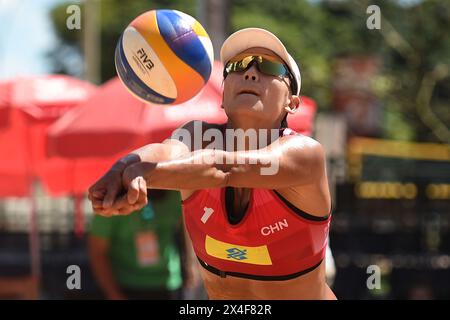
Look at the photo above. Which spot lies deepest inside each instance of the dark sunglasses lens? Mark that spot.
(268, 67)
(272, 68)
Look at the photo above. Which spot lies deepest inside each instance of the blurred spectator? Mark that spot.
(137, 256)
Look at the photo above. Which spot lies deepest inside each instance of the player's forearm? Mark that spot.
(126, 161)
(208, 168)
(281, 166)
(158, 152)
(195, 170)
(214, 169)
(154, 152)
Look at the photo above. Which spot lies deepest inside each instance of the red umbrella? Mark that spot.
(33, 104)
(48, 97)
(106, 124)
(15, 178)
(43, 100)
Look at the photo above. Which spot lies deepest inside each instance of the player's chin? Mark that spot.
(245, 106)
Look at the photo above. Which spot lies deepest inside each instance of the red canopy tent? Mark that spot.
(15, 174)
(33, 104)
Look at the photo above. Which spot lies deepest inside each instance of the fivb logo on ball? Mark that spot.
(144, 60)
(164, 56)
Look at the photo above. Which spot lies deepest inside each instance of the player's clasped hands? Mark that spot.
(119, 192)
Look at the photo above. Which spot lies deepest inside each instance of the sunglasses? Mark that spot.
(266, 64)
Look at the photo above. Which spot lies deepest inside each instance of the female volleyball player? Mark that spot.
(257, 234)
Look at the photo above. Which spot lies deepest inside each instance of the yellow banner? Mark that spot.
(233, 252)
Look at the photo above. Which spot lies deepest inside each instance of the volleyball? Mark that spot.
(164, 57)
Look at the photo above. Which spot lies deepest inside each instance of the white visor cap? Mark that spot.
(256, 37)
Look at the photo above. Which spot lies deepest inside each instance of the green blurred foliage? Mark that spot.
(316, 33)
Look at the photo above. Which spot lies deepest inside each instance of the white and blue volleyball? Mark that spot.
(164, 57)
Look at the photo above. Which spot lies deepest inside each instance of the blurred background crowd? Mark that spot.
(377, 99)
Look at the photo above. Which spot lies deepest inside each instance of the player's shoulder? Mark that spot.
(301, 143)
(292, 135)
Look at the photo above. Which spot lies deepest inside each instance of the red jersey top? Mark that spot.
(274, 240)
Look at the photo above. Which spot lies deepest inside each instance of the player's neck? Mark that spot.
(264, 135)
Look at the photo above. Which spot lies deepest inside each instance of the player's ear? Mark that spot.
(293, 104)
